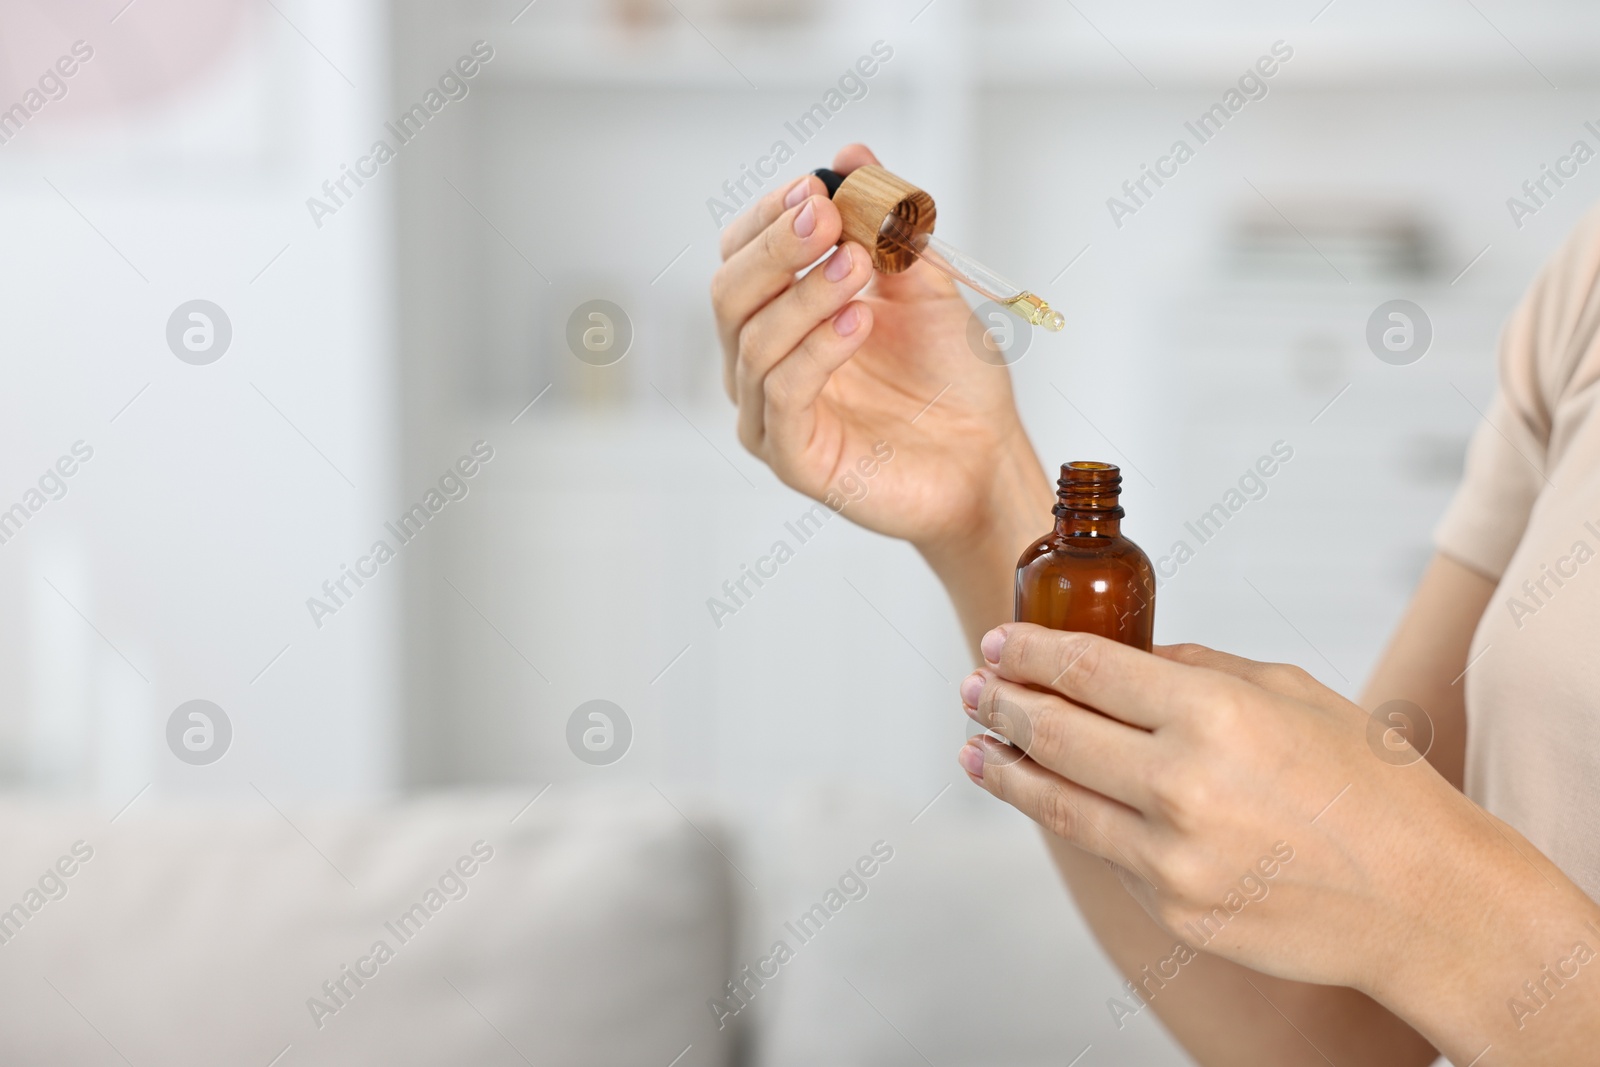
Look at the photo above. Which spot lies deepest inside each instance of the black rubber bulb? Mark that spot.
(831, 179)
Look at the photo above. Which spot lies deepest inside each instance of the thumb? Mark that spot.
(852, 156)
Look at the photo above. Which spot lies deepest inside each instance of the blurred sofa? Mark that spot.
(589, 927)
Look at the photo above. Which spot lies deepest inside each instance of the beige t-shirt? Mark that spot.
(1528, 515)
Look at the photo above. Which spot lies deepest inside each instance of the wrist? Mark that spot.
(977, 562)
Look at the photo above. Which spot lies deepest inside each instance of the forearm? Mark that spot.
(978, 569)
(1223, 1013)
(1426, 660)
(1501, 950)
(1497, 912)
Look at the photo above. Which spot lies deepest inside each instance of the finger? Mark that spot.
(793, 386)
(1099, 673)
(1077, 815)
(1107, 756)
(744, 229)
(1285, 679)
(766, 267)
(852, 156)
(772, 334)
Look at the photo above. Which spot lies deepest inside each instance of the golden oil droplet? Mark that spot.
(1038, 313)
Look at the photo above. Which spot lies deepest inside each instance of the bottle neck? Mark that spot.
(1084, 524)
(1087, 496)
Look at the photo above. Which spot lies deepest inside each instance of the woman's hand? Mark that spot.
(827, 367)
(1203, 785)
(1252, 818)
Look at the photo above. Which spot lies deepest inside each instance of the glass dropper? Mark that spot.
(946, 257)
(894, 220)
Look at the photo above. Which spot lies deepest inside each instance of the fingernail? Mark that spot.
(837, 269)
(992, 643)
(971, 689)
(971, 760)
(805, 223)
(847, 321)
(799, 192)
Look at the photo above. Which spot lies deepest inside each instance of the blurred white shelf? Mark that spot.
(1186, 50)
(676, 56)
(1190, 50)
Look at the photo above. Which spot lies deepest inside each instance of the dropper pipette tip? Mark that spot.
(1037, 312)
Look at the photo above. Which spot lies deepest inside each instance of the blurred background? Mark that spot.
(361, 335)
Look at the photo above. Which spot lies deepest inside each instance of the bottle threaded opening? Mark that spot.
(1089, 489)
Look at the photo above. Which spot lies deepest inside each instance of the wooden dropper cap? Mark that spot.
(881, 212)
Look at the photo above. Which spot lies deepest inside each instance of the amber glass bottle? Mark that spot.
(1084, 575)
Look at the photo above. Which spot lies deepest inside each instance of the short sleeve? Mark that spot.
(1487, 516)
(1511, 454)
